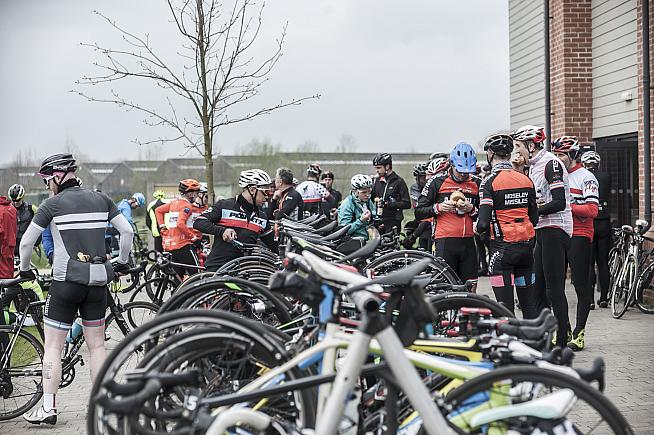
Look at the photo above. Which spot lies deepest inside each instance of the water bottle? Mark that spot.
(75, 330)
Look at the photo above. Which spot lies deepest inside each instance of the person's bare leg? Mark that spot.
(94, 337)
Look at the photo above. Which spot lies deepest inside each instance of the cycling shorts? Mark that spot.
(66, 298)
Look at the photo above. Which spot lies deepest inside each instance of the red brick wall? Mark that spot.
(640, 100)
(571, 69)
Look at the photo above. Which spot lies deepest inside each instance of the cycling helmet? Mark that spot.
(16, 192)
(463, 158)
(314, 169)
(420, 169)
(438, 165)
(590, 158)
(204, 188)
(57, 163)
(361, 181)
(530, 133)
(189, 185)
(140, 199)
(500, 144)
(382, 159)
(254, 177)
(328, 174)
(433, 156)
(158, 194)
(566, 144)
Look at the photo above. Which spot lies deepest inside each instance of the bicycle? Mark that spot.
(626, 283)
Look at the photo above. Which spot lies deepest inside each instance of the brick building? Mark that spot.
(596, 83)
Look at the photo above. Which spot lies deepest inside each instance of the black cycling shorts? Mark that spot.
(66, 298)
(460, 253)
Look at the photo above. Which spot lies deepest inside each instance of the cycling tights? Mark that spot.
(600, 255)
(186, 255)
(579, 258)
(549, 266)
(460, 254)
(513, 264)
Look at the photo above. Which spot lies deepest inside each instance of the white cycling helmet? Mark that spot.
(530, 132)
(590, 158)
(254, 177)
(361, 181)
(438, 165)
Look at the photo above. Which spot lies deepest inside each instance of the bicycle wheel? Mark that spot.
(388, 263)
(20, 382)
(645, 290)
(622, 291)
(587, 410)
(134, 314)
(157, 290)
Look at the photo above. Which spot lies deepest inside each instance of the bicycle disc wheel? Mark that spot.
(645, 290)
(622, 291)
(586, 410)
(21, 381)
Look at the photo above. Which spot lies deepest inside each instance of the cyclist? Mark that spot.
(554, 227)
(24, 211)
(585, 205)
(238, 218)
(286, 200)
(390, 193)
(125, 206)
(417, 229)
(78, 218)
(175, 222)
(313, 193)
(358, 209)
(601, 228)
(508, 210)
(329, 206)
(151, 218)
(452, 199)
(8, 229)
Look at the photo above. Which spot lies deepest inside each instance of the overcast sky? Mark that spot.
(396, 76)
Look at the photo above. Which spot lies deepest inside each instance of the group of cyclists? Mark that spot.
(537, 210)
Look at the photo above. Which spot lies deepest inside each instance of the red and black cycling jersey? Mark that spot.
(437, 190)
(249, 222)
(508, 205)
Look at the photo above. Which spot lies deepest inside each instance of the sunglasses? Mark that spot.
(46, 179)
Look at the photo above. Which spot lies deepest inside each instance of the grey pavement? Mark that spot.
(627, 346)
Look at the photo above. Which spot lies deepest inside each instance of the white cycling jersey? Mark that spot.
(548, 173)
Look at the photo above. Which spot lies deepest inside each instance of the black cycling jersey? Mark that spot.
(288, 203)
(249, 222)
(394, 192)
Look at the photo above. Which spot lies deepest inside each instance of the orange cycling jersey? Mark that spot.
(177, 216)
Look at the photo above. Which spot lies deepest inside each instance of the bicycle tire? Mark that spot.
(167, 325)
(34, 399)
(147, 287)
(185, 299)
(443, 273)
(552, 378)
(622, 293)
(645, 283)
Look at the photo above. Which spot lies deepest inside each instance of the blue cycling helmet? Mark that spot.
(464, 158)
(140, 199)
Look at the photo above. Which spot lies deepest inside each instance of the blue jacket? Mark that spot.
(126, 210)
(350, 212)
(48, 244)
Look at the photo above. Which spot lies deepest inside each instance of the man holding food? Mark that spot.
(452, 199)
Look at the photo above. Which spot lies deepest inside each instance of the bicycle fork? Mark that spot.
(401, 368)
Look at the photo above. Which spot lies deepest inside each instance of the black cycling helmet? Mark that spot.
(327, 174)
(58, 163)
(382, 159)
(500, 144)
(16, 192)
(420, 169)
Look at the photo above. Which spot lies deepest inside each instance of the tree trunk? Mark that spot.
(208, 166)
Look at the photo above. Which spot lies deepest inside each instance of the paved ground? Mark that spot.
(627, 346)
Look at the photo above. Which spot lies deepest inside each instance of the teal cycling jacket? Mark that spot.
(350, 212)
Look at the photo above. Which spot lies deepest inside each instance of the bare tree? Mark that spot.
(218, 72)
